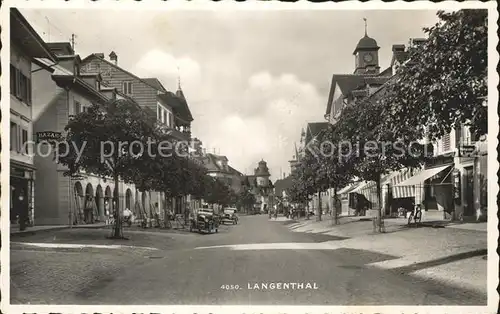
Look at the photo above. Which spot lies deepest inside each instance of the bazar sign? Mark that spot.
(467, 150)
(48, 136)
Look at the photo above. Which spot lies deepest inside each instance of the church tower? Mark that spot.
(366, 55)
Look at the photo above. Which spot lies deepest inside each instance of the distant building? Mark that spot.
(260, 185)
(217, 166)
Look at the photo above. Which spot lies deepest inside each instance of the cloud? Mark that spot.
(166, 67)
(266, 122)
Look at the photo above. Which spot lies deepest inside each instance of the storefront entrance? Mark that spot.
(469, 192)
(19, 202)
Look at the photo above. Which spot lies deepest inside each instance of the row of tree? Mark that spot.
(443, 85)
(122, 141)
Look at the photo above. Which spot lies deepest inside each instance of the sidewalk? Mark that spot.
(35, 229)
(453, 255)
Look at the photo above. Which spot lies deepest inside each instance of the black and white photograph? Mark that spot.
(249, 155)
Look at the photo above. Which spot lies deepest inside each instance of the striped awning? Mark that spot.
(408, 186)
(371, 187)
(402, 191)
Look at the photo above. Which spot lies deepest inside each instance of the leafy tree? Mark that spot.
(444, 83)
(246, 199)
(98, 141)
(334, 164)
(375, 148)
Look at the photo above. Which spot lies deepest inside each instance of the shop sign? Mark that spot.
(48, 136)
(467, 150)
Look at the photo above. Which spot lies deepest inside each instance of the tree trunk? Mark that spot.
(379, 197)
(335, 209)
(320, 209)
(117, 228)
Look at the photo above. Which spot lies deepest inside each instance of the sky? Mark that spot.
(252, 79)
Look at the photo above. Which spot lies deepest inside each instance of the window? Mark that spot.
(24, 140)
(127, 88)
(158, 113)
(78, 107)
(13, 137)
(165, 117)
(20, 85)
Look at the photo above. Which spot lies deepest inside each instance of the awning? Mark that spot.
(360, 187)
(419, 178)
(349, 188)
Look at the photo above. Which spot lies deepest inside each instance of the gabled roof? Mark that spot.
(210, 162)
(179, 105)
(98, 56)
(350, 82)
(314, 129)
(27, 38)
(152, 81)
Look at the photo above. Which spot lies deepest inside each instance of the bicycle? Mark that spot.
(415, 215)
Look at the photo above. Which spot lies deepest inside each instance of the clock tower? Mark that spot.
(366, 55)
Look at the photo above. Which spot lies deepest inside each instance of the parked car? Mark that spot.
(230, 216)
(204, 220)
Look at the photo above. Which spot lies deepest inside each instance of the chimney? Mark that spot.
(99, 55)
(113, 57)
(398, 48)
(418, 41)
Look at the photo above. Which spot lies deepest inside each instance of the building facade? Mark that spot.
(26, 45)
(260, 185)
(171, 110)
(451, 185)
(217, 166)
(61, 92)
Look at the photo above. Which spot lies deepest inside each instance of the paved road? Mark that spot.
(179, 273)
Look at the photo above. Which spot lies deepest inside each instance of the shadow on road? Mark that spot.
(439, 261)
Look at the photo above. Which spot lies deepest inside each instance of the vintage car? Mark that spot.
(230, 216)
(204, 220)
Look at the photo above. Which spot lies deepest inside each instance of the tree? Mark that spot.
(334, 162)
(99, 141)
(376, 149)
(444, 82)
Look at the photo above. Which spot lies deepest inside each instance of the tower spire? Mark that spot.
(366, 26)
(178, 78)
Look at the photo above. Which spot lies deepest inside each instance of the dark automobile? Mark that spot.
(204, 220)
(229, 215)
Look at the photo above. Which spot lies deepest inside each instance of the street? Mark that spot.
(225, 268)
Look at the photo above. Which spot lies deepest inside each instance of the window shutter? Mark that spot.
(28, 84)
(13, 80)
(18, 83)
(446, 142)
(19, 139)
